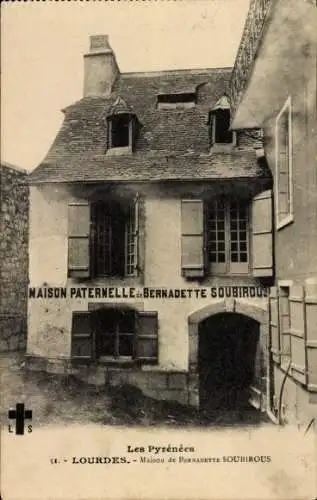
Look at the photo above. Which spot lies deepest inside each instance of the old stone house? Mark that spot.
(151, 239)
(274, 87)
(14, 207)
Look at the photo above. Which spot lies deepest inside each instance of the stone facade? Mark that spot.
(14, 258)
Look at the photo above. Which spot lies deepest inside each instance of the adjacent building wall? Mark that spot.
(13, 257)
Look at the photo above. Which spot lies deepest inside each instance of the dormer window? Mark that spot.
(222, 135)
(121, 128)
(219, 123)
(179, 100)
(120, 131)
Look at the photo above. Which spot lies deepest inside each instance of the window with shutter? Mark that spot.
(283, 160)
(114, 330)
(115, 237)
(79, 240)
(274, 325)
(262, 241)
(227, 226)
(132, 238)
(311, 335)
(82, 338)
(284, 326)
(192, 244)
(147, 337)
(297, 333)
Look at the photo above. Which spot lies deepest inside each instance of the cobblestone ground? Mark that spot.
(64, 399)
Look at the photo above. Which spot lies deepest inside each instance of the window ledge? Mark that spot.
(119, 151)
(222, 148)
(285, 222)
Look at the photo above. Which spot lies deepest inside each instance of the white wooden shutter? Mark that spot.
(274, 325)
(284, 326)
(147, 337)
(192, 243)
(78, 239)
(262, 244)
(311, 335)
(297, 331)
(82, 338)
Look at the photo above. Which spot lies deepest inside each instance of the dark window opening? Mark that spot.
(177, 98)
(114, 333)
(119, 131)
(222, 124)
(113, 245)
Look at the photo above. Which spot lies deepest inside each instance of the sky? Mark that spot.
(43, 43)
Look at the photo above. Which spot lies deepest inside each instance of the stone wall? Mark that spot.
(14, 258)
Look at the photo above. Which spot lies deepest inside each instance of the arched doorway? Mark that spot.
(227, 346)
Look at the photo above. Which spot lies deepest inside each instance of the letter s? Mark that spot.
(30, 428)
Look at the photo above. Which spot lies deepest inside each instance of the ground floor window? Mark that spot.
(115, 334)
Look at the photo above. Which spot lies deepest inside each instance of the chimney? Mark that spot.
(100, 67)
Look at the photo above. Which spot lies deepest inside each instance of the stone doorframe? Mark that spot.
(245, 308)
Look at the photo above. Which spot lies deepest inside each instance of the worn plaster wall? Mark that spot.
(13, 257)
(49, 320)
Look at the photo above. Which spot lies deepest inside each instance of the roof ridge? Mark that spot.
(174, 72)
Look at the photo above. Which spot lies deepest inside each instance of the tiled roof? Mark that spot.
(171, 144)
(152, 166)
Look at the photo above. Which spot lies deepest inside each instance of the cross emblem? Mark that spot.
(19, 415)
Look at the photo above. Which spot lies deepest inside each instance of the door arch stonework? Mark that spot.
(251, 310)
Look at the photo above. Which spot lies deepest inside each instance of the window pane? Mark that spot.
(126, 322)
(106, 345)
(221, 257)
(243, 257)
(125, 345)
(234, 257)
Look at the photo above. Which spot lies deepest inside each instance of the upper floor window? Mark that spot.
(103, 238)
(227, 226)
(284, 181)
(217, 236)
(113, 235)
(178, 100)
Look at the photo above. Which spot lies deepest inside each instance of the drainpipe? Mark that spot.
(269, 409)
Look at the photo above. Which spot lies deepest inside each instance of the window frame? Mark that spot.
(214, 143)
(117, 334)
(130, 223)
(228, 268)
(117, 150)
(287, 219)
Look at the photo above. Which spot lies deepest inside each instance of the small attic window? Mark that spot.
(121, 128)
(223, 134)
(176, 100)
(219, 123)
(119, 131)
